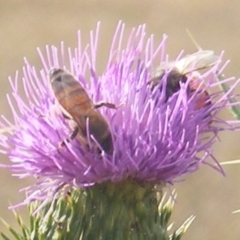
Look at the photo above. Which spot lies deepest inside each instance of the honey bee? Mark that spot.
(76, 105)
(180, 71)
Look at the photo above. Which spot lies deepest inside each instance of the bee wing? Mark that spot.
(163, 67)
(193, 62)
(197, 61)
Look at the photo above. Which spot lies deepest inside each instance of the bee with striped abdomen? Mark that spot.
(77, 105)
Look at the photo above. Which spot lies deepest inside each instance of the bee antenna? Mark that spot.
(193, 40)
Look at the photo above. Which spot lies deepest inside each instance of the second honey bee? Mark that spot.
(77, 105)
(179, 72)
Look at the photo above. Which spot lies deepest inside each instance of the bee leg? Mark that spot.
(106, 104)
(74, 133)
(71, 137)
(66, 116)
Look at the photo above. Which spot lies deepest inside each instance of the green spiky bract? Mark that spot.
(121, 211)
(235, 109)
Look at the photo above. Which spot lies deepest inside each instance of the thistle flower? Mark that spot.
(155, 141)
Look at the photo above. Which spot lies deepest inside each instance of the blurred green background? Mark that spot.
(26, 25)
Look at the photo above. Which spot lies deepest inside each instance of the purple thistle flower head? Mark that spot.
(155, 139)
